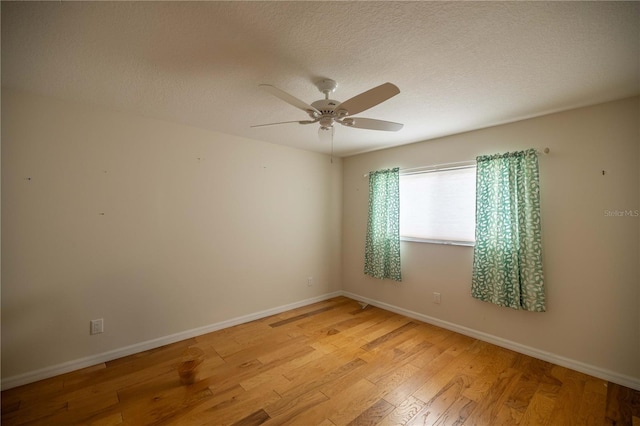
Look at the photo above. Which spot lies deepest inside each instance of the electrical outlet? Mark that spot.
(309, 281)
(436, 298)
(97, 326)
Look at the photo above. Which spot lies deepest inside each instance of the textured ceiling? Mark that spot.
(459, 65)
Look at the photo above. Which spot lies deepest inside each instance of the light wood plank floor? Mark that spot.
(330, 363)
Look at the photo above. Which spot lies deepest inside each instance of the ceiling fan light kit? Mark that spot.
(327, 111)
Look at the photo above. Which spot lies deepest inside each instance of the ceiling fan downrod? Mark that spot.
(325, 106)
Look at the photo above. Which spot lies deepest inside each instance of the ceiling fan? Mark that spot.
(327, 111)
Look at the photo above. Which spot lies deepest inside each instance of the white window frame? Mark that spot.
(435, 169)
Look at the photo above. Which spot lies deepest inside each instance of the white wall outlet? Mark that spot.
(436, 298)
(97, 326)
(309, 281)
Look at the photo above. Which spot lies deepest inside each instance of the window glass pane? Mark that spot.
(439, 205)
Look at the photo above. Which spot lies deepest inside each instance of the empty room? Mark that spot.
(320, 213)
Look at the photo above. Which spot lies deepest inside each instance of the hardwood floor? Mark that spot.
(331, 363)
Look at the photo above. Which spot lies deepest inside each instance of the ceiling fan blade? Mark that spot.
(290, 99)
(285, 122)
(368, 99)
(372, 124)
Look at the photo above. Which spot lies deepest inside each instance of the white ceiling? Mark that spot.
(459, 65)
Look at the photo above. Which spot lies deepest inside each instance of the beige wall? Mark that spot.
(201, 227)
(198, 227)
(591, 261)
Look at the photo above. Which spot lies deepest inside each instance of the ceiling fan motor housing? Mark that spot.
(325, 106)
(328, 115)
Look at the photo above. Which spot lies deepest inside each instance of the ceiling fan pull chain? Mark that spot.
(332, 148)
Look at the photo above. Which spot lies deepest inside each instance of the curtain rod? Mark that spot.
(456, 165)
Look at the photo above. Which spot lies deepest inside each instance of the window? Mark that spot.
(438, 206)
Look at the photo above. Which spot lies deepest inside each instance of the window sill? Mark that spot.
(443, 242)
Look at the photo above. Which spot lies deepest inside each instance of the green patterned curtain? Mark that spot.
(382, 249)
(507, 258)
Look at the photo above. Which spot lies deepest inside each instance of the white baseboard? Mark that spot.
(47, 372)
(611, 376)
(55, 370)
